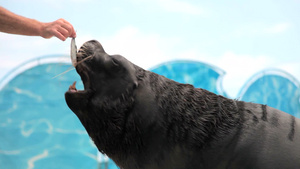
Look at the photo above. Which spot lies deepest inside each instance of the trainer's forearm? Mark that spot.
(16, 24)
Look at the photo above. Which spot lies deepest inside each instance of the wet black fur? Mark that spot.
(163, 124)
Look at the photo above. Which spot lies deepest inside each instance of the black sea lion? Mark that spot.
(142, 120)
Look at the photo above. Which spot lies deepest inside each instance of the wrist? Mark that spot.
(40, 27)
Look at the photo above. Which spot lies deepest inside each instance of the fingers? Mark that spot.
(60, 28)
(67, 26)
(59, 35)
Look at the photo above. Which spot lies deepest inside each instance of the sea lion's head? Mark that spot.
(117, 104)
(106, 78)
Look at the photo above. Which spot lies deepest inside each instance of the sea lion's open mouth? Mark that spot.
(73, 89)
(82, 69)
(76, 59)
(84, 55)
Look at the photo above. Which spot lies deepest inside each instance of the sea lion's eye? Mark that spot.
(115, 62)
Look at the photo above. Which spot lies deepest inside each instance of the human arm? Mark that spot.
(16, 24)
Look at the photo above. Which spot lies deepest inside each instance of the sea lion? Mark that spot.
(142, 120)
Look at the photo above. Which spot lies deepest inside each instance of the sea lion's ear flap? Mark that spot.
(135, 84)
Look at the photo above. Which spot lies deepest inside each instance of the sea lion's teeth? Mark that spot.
(73, 87)
(73, 52)
(74, 84)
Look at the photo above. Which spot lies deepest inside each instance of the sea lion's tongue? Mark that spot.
(73, 52)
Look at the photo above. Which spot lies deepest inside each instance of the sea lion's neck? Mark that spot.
(209, 116)
(106, 123)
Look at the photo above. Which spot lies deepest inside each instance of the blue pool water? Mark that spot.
(37, 127)
(39, 131)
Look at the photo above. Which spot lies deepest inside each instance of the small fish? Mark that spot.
(73, 52)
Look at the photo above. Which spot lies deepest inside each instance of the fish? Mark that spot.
(73, 52)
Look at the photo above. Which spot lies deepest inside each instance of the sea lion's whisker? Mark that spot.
(72, 68)
(69, 69)
(84, 60)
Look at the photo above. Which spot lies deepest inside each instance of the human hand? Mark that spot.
(60, 28)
